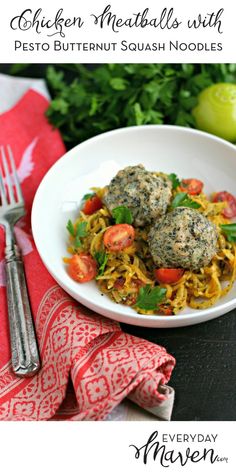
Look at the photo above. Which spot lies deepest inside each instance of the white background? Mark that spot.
(100, 446)
(90, 33)
(91, 446)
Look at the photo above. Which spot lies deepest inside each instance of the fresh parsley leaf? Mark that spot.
(56, 78)
(81, 231)
(230, 232)
(101, 258)
(70, 228)
(182, 199)
(77, 242)
(175, 180)
(229, 228)
(87, 196)
(117, 83)
(150, 297)
(231, 238)
(16, 69)
(122, 214)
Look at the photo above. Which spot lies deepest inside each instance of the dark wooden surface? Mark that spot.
(205, 374)
(204, 378)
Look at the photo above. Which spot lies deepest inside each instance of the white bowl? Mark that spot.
(186, 152)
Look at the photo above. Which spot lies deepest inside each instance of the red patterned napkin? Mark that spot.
(88, 364)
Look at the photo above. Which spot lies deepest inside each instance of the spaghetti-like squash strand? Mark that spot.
(133, 267)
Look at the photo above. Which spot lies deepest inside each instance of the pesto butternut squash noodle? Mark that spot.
(155, 242)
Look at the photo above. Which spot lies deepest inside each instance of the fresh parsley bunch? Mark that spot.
(86, 102)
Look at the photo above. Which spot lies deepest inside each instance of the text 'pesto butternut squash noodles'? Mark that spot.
(155, 242)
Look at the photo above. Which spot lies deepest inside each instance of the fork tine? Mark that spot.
(14, 175)
(7, 175)
(2, 189)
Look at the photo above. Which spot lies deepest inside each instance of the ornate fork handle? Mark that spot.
(25, 356)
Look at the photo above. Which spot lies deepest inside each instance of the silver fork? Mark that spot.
(24, 349)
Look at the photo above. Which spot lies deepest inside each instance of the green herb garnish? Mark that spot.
(81, 230)
(118, 95)
(150, 297)
(182, 199)
(101, 258)
(122, 214)
(175, 181)
(78, 232)
(78, 242)
(70, 228)
(87, 196)
(230, 232)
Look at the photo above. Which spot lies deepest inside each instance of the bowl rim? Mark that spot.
(181, 317)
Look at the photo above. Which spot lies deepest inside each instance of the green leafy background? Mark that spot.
(87, 101)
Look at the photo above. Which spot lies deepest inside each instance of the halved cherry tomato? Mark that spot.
(118, 237)
(92, 205)
(168, 276)
(82, 267)
(230, 210)
(191, 186)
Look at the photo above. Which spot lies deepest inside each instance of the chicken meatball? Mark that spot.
(183, 238)
(146, 195)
